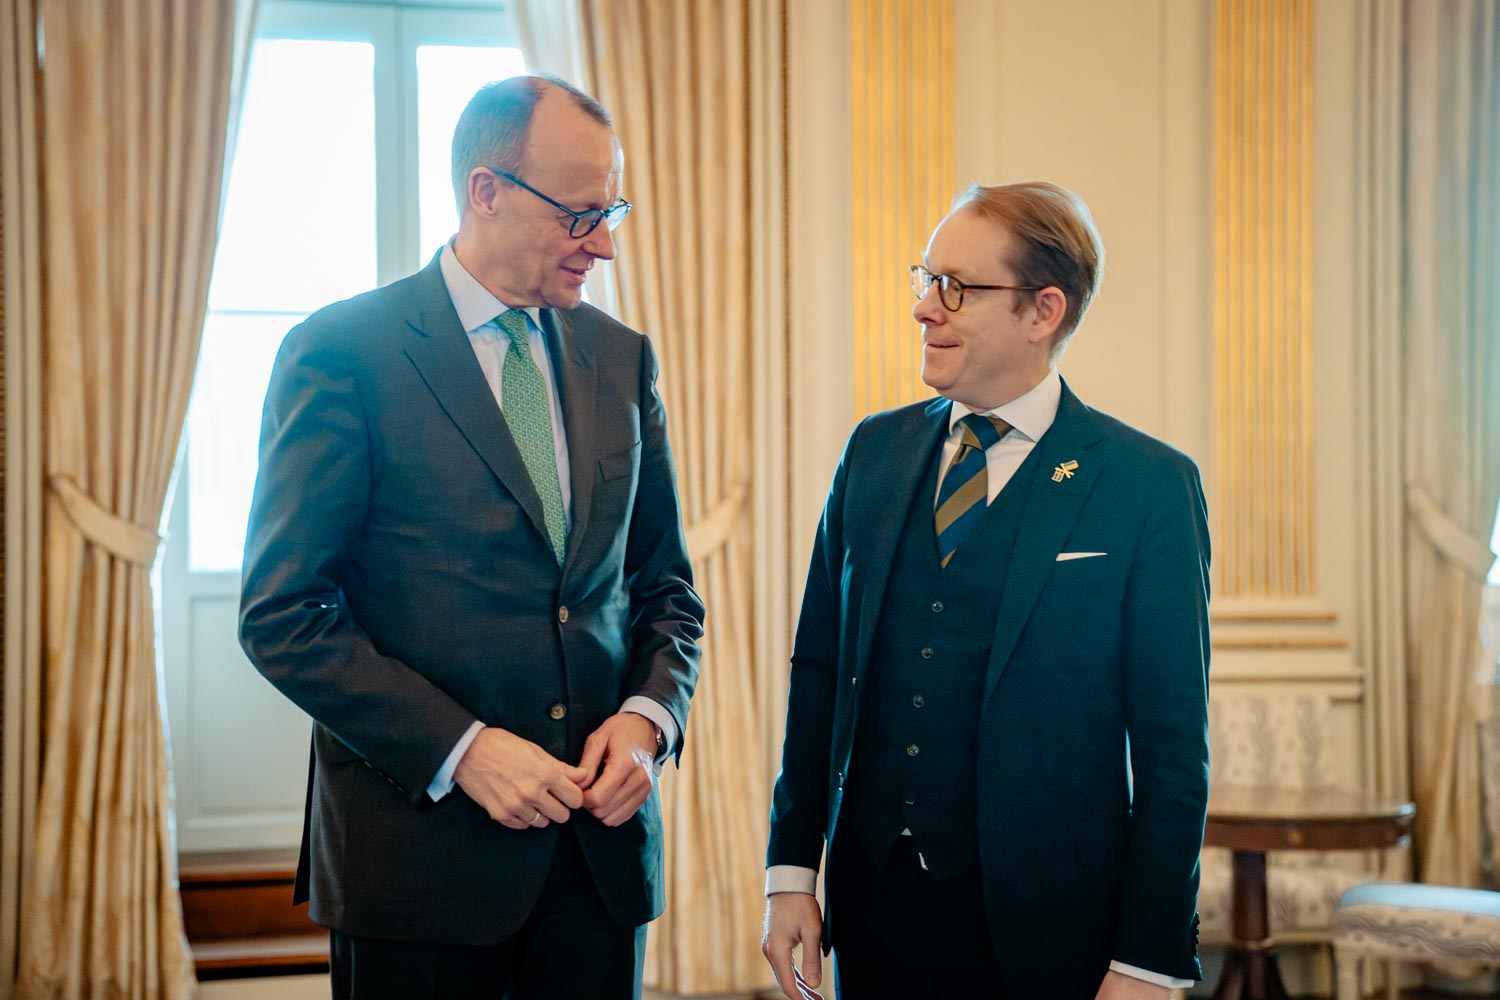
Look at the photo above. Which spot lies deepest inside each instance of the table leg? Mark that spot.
(1250, 970)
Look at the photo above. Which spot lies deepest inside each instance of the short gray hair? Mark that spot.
(492, 130)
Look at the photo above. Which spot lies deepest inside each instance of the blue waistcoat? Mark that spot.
(916, 747)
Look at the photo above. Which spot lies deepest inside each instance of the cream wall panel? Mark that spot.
(1335, 339)
(1109, 100)
(820, 385)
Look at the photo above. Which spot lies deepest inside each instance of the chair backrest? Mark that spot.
(1280, 740)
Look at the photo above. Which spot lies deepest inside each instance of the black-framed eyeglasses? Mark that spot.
(951, 290)
(583, 222)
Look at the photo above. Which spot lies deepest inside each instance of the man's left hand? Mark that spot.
(1118, 986)
(625, 746)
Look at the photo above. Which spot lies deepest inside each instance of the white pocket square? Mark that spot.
(1065, 556)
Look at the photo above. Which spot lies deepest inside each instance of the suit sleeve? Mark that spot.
(666, 614)
(1166, 655)
(799, 800)
(308, 514)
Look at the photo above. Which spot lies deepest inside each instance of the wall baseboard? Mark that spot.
(237, 908)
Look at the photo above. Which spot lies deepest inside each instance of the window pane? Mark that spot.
(1494, 580)
(447, 76)
(299, 216)
(234, 367)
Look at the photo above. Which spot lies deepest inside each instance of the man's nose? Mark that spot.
(928, 308)
(600, 243)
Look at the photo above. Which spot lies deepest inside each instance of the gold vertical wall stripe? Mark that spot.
(901, 69)
(1263, 297)
(1305, 283)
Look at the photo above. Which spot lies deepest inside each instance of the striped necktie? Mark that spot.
(523, 399)
(965, 491)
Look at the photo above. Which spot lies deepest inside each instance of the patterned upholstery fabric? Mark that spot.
(1406, 922)
(1280, 741)
(1302, 899)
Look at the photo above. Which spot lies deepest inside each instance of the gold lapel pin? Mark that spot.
(1064, 471)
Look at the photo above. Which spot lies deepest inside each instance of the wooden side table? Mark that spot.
(1251, 821)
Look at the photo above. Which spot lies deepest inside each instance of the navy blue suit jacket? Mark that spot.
(1099, 668)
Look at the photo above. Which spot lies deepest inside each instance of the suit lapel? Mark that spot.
(894, 495)
(445, 360)
(1046, 521)
(577, 380)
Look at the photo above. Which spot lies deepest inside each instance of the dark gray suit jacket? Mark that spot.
(398, 585)
(1077, 871)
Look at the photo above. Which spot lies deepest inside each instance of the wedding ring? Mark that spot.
(535, 818)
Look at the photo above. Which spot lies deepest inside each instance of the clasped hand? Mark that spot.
(519, 784)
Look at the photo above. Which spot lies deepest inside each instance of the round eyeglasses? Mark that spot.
(951, 290)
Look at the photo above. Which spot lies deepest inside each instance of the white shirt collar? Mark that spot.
(1031, 414)
(474, 303)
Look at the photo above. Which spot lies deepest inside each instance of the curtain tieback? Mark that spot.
(109, 531)
(711, 532)
(1471, 554)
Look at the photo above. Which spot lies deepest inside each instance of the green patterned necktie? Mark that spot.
(524, 402)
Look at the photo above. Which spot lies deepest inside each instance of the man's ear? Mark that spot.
(1051, 305)
(484, 190)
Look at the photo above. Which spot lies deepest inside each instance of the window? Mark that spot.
(340, 182)
(332, 165)
(1494, 578)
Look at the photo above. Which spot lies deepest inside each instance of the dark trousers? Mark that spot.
(568, 947)
(901, 934)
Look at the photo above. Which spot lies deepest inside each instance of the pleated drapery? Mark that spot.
(1451, 365)
(134, 99)
(695, 89)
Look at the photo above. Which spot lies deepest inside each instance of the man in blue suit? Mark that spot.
(997, 719)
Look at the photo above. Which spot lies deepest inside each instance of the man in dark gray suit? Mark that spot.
(997, 720)
(466, 562)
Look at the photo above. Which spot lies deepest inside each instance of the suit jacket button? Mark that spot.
(927, 653)
(918, 701)
(912, 750)
(911, 798)
(558, 711)
(562, 614)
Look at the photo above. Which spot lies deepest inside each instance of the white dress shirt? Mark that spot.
(1030, 416)
(476, 306)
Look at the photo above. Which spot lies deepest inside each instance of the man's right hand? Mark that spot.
(793, 918)
(517, 782)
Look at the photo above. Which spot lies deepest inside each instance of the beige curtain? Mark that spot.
(1451, 337)
(134, 100)
(20, 317)
(695, 89)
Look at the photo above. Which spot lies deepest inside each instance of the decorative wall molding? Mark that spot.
(1283, 609)
(1273, 623)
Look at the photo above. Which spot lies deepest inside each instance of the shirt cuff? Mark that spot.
(653, 710)
(791, 878)
(442, 784)
(1154, 978)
